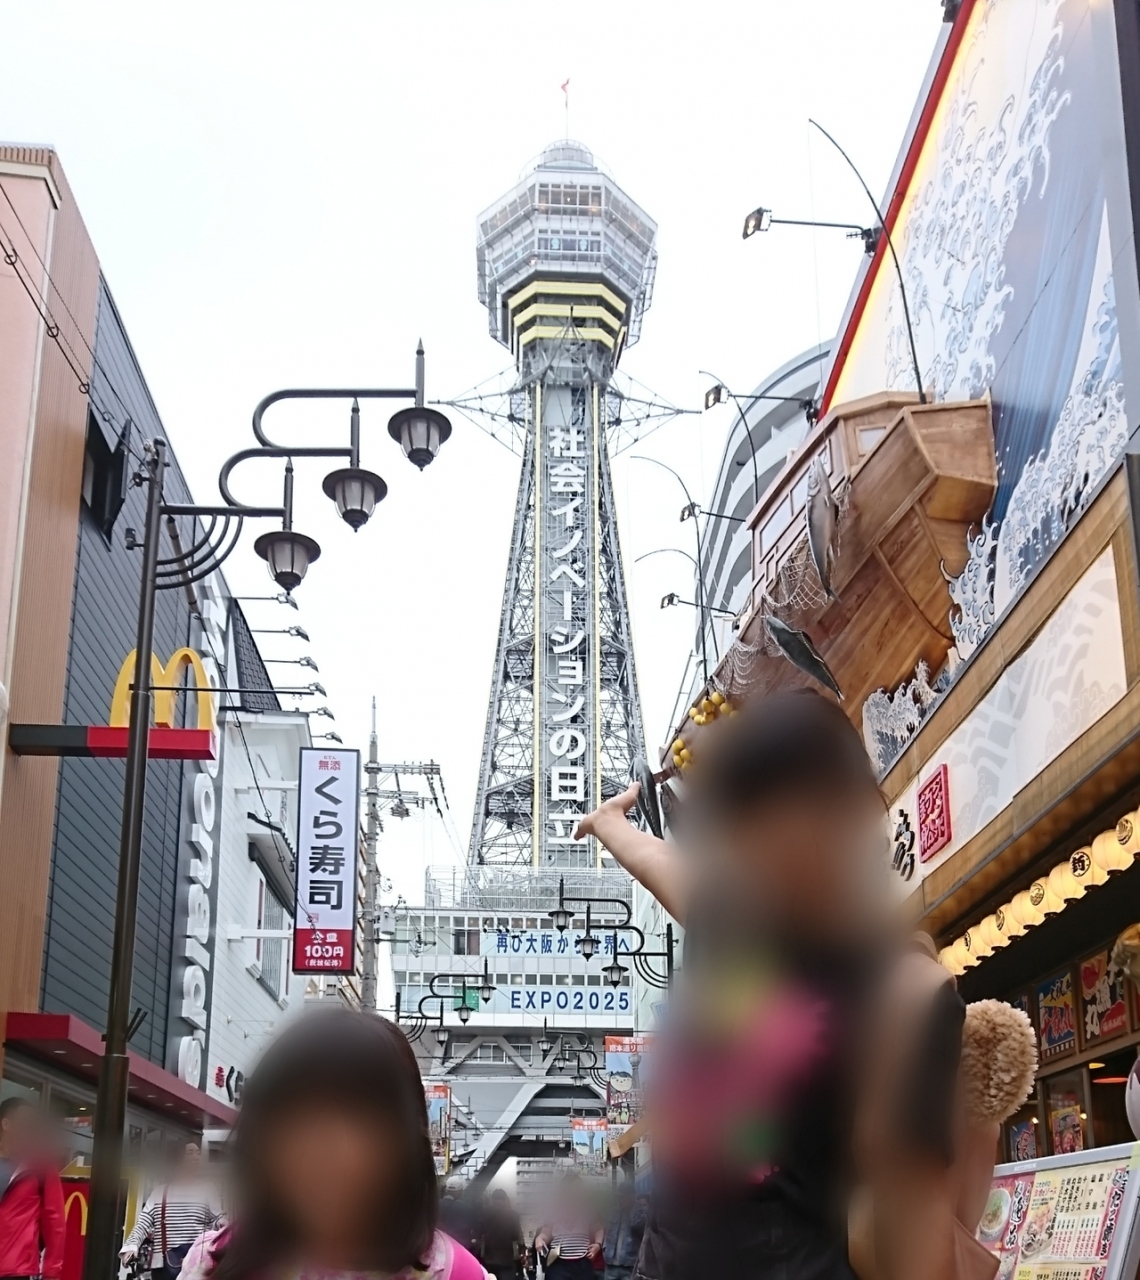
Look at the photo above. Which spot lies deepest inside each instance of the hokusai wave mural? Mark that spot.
(1008, 239)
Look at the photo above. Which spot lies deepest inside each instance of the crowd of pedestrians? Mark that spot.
(782, 1148)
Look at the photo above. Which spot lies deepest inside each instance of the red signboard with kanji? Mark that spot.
(934, 814)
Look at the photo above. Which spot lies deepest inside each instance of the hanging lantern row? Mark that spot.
(1112, 851)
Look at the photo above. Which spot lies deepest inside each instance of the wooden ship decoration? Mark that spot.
(909, 481)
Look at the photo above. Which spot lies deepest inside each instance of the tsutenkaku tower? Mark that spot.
(566, 265)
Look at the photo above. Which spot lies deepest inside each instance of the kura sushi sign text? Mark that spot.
(328, 819)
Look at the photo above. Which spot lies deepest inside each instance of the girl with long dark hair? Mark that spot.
(332, 1163)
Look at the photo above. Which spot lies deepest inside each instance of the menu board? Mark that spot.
(1067, 1217)
(1104, 1012)
(1056, 1017)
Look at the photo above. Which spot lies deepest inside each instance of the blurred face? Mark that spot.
(813, 863)
(328, 1168)
(19, 1133)
(191, 1158)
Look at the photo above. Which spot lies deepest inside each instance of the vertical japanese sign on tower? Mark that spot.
(565, 635)
(328, 820)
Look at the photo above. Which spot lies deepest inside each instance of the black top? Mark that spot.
(502, 1239)
(759, 1062)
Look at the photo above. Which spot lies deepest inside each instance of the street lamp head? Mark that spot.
(487, 987)
(463, 1013)
(307, 662)
(332, 737)
(318, 688)
(419, 431)
(288, 555)
(758, 220)
(299, 632)
(715, 395)
(690, 512)
(671, 599)
(560, 918)
(323, 711)
(441, 1035)
(614, 972)
(588, 946)
(356, 493)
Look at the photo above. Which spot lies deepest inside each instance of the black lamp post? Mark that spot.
(288, 555)
(487, 988)
(699, 560)
(615, 972)
(761, 219)
(718, 393)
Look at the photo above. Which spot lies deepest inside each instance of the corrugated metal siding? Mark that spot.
(77, 941)
(39, 653)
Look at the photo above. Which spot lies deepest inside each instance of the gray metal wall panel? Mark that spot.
(77, 940)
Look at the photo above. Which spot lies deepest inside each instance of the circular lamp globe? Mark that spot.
(288, 555)
(356, 493)
(419, 431)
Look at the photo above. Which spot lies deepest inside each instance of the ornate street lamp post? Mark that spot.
(288, 555)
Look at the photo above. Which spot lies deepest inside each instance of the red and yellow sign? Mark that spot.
(165, 742)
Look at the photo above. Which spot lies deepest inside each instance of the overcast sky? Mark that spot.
(285, 194)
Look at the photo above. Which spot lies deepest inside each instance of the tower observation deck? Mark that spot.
(566, 263)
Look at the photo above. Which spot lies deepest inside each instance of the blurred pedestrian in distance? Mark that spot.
(332, 1163)
(172, 1217)
(460, 1216)
(31, 1196)
(502, 1238)
(624, 1230)
(571, 1238)
(781, 887)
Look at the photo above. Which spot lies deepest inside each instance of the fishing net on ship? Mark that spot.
(795, 591)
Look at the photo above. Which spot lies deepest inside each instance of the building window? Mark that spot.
(466, 941)
(271, 951)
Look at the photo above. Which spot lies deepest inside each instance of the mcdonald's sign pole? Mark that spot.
(105, 1213)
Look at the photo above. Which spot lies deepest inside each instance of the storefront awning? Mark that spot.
(71, 1045)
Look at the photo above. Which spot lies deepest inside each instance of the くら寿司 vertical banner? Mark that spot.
(328, 818)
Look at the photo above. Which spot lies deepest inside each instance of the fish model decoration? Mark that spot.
(799, 650)
(822, 524)
(647, 804)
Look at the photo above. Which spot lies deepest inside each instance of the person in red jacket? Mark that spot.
(31, 1197)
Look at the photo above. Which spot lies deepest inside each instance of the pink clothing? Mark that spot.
(446, 1260)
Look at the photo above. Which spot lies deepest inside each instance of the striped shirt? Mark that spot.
(571, 1240)
(189, 1210)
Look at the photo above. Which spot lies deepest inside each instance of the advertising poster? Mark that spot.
(1056, 1017)
(1059, 1222)
(1065, 1124)
(625, 1067)
(1104, 1009)
(588, 1135)
(439, 1124)
(328, 819)
(1023, 1141)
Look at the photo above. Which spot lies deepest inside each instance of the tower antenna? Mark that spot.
(566, 104)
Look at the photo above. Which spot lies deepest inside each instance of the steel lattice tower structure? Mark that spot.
(566, 265)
